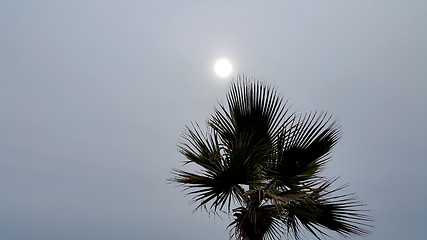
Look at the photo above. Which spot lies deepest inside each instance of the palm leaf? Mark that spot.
(224, 168)
(256, 223)
(320, 209)
(303, 149)
(254, 111)
(218, 181)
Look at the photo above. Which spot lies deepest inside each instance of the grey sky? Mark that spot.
(95, 94)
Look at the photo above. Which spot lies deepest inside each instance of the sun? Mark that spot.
(223, 67)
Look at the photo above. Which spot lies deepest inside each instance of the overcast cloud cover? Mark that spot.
(95, 94)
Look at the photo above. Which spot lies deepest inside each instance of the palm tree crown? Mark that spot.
(261, 163)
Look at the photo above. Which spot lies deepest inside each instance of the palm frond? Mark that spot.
(255, 223)
(320, 210)
(303, 148)
(211, 192)
(254, 110)
(223, 169)
(203, 150)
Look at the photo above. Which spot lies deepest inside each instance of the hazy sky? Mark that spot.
(95, 94)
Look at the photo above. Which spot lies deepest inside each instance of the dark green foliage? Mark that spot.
(266, 160)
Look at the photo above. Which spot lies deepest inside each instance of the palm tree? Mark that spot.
(261, 163)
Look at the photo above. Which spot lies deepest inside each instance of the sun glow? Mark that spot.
(223, 67)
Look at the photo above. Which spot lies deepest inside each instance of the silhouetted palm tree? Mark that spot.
(261, 163)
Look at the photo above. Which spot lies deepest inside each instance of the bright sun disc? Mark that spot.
(223, 68)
